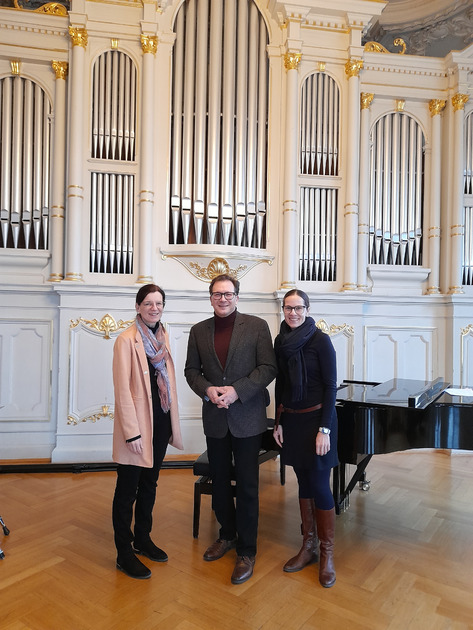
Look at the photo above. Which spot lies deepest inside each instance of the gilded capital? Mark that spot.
(149, 44)
(353, 67)
(459, 101)
(292, 60)
(79, 36)
(366, 99)
(436, 106)
(60, 69)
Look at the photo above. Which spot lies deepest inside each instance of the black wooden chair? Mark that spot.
(203, 485)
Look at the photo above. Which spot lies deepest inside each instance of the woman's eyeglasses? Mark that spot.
(298, 309)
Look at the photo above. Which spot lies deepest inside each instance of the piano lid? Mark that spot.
(398, 392)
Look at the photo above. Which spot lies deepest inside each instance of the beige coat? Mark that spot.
(133, 403)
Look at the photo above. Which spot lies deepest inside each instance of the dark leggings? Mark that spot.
(315, 484)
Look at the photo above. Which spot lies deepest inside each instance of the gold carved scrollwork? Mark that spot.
(60, 69)
(459, 101)
(292, 60)
(379, 48)
(400, 42)
(106, 325)
(149, 44)
(333, 329)
(51, 8)
(436, 106)
(215, 267)
(353, 67)
(375, 47)
(366, 98)
(467, 331)
(105, 413)
(78, 36)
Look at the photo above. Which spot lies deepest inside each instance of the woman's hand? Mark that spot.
(136, 446)
(277, 435)
(322, 443)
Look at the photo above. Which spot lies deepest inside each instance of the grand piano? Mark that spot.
(397, 415)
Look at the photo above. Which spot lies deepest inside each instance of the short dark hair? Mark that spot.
(146, 289)
(222, 278)
(299, 293)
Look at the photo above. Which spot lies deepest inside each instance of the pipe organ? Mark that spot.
(25, 139)
(186, 137)
(219, 125)
(319, 155)
(112, 193)
(397, 191)
(468, 208)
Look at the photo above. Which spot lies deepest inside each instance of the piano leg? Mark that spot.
(341, 492)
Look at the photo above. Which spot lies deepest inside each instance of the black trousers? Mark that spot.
(238, 519)
(136, 486)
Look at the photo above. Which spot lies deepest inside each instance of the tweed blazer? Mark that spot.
(250, 368)
(133, 403)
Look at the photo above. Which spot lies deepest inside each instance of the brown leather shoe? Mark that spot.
(218, 549)
(243, 569)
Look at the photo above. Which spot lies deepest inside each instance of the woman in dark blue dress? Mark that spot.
(306, 428)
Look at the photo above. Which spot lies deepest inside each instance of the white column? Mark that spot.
(149, 44)
(364, 211)
(56, 245)
(457, 227)
(290, 201)
(352, 70)
(436, 107)
(75, 185)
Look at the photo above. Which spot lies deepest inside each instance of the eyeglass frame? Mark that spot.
(299, 308)
(224, 294)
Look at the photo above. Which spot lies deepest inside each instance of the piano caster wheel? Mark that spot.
(365, 486)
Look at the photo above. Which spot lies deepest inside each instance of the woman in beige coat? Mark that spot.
(146, 421)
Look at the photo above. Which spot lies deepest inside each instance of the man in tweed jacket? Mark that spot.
(230, 362)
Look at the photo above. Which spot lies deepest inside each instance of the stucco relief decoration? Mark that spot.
(199, 268)
(104, 413)
(105, 326)
(38, 6)
(333, 329)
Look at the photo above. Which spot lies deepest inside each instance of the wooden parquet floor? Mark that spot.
(404, 555)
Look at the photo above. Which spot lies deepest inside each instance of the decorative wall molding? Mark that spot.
(106, 326)
(202, 268)
(103, 413)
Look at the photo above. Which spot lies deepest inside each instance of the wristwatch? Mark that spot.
(324, 430)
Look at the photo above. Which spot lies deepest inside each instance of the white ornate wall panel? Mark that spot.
(90, 375)
(25, 370)
(466, 356)
(400, 352)
(342, 338)
(190, 405)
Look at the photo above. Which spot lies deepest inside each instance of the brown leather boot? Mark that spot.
(308, 553)
(326, 531)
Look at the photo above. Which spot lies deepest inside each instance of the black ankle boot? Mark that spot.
(134, 568)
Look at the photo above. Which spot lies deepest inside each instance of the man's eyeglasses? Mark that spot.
(298, 309)
(229, 295)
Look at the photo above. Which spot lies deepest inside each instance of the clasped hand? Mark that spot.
(223, 397)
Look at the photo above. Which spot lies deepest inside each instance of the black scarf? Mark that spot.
(288, 347)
